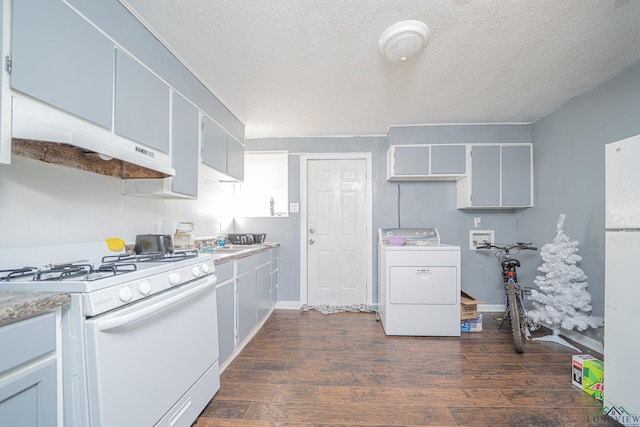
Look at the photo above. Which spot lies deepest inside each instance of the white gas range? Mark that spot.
(139, 338)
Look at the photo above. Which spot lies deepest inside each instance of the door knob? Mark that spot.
(311, 241)
(311, 230)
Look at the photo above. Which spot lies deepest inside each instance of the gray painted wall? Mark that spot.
(422, 203)
(568, 178)
(569, 172)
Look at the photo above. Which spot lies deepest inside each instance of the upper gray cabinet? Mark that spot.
(58, 57)
(185, 146)
(141, 104)
(89, 74)
(214, 145)
(5, 100)
(235, 158)
(501, 176)
(221, 153)
(185, 121)
(426, 162)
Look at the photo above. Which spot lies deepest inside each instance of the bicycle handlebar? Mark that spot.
(518, 245)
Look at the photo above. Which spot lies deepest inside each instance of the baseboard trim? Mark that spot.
(495, 308)
(288, 305)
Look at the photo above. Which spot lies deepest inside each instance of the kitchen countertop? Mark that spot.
(19, 305)
(235, 252)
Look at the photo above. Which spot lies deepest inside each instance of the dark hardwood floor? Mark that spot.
(307, 369)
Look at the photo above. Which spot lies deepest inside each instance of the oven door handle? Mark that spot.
(116, 322)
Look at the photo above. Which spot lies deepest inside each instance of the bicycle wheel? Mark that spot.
(515, 317)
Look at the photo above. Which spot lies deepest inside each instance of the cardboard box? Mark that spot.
(587, 373)
(472, 325)
(468, 306)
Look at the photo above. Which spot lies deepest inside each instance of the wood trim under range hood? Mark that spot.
(35, 120)
(73, 157)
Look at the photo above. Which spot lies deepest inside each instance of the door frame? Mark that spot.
(304, 159)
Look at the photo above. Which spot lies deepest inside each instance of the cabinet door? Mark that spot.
(274, 288)
(516, 175)
(411, 160)
(184, 148)
(448, 159)
(214, 145)
(5, 103)
(141, 104)
(264, 290)
(61, 59)
(226, 318)
(28, 397)
(485, 176)
(235, 158)
(247, 304)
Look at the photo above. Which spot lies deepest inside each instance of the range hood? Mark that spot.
(34, 120)
(152, 188)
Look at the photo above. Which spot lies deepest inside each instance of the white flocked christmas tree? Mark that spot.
(562, 301)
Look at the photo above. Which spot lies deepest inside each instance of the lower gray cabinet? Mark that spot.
(273, 276)
(247, 292)
(226, 297)
(264, 290)
(247, 304)
(28, 375)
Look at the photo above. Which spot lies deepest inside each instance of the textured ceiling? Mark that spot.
(308, 68)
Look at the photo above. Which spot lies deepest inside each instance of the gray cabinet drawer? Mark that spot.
(25, 340)
(247, 264)
(224, 271)
(263, 258)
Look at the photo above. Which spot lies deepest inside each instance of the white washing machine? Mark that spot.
(418, 284)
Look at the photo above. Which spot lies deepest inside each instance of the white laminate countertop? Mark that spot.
(235, 252)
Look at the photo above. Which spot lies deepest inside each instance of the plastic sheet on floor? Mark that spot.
(333, 309)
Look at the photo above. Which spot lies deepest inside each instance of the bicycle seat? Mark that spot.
(509, 264)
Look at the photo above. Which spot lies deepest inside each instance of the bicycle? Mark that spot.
(514, 309)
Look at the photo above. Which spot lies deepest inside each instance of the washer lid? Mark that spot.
(415, 236)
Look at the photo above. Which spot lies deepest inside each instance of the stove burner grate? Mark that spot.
(17, 273)
(151, 257)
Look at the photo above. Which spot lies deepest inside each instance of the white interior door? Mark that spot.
(336, 232)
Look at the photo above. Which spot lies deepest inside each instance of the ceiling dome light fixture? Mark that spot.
(404, 40)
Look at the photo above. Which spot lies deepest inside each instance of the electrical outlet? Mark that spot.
(477, 222)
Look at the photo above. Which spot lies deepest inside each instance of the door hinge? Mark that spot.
(8, 64)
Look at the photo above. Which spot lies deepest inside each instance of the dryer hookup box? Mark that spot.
(468, 306)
